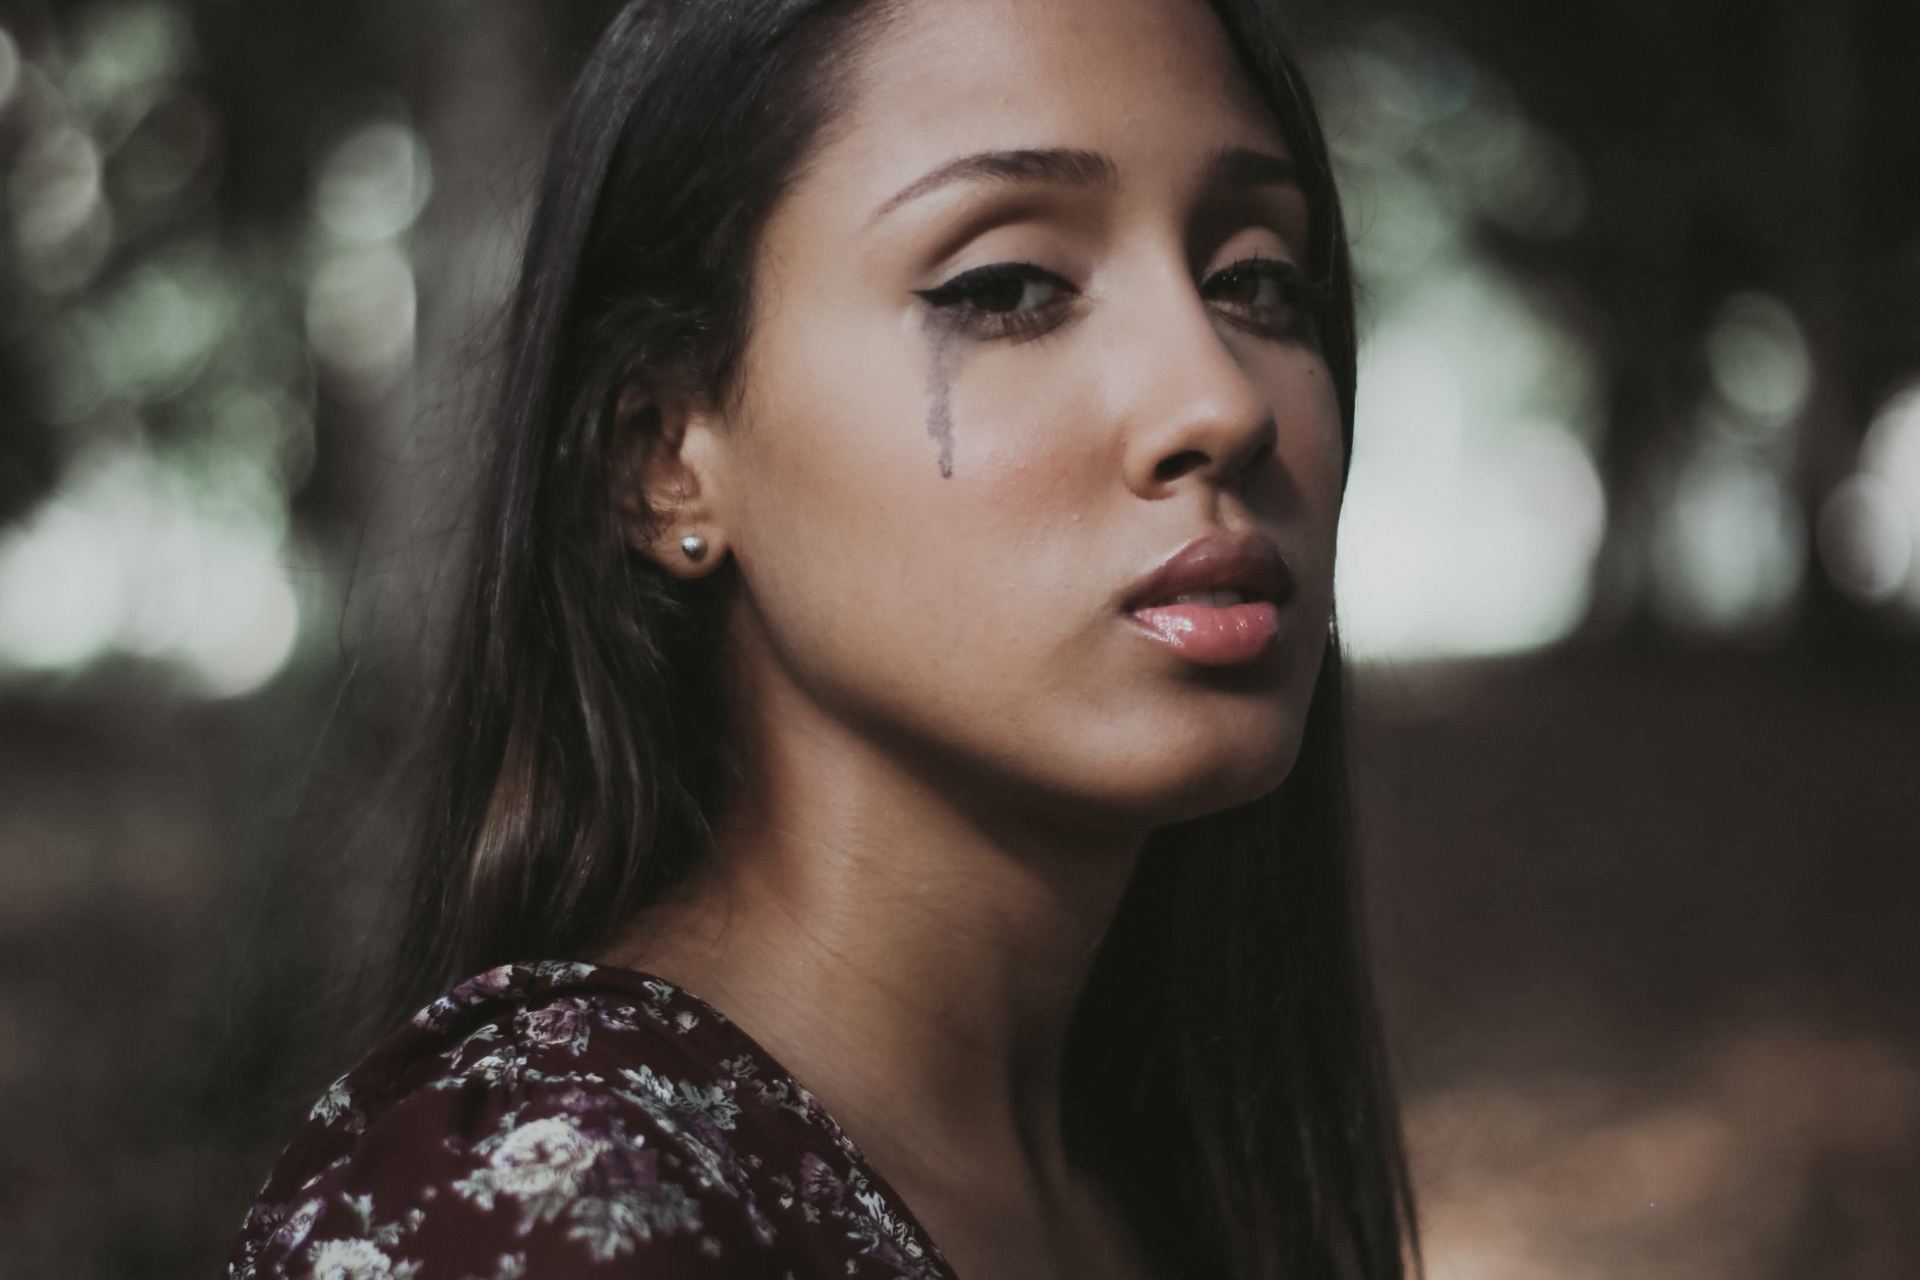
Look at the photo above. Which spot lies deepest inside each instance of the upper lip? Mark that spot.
(1246, 562)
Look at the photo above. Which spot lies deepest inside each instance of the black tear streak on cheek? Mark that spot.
(942, 339)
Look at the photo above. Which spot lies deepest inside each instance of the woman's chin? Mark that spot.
(1216, 797)
(1173, 790)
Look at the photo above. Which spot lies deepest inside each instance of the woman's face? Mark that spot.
(941, 486)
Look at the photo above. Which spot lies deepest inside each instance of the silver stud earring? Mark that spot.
(694, 545)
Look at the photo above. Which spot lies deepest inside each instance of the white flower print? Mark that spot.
(669, 1100)
(437, 1014)
(509, 1266)
(696, 1118)
(888, 1227)
(540, 1163)
(880, 1233)
(562, 1024)
(334, 1102)
(611, 1226)
(621, 1017)
(292, 1233)
(543, 1157)
(779, 1093)
(355, 1260)
(560, 972)
(494, 981)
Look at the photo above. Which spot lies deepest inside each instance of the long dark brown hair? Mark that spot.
(1224, 1071)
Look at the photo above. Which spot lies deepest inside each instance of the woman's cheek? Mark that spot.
(1314, 405)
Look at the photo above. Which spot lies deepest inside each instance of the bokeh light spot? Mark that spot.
(247, 623)
(1891, 447)
(1865, 541)
(54, 187)
(61, 589)
(1729, 546)
(360, 314)
(133, 558)
(1758, 358)
(162, 326)
(374, 183)
(1474, 515)
(126, 56)
(1890, 452)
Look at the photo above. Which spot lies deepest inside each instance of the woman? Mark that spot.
(841, 696)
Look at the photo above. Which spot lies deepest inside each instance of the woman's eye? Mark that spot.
(1019, 300)
(1267, 295)
(1003, 299)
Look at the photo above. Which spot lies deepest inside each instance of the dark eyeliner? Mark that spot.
(964, 301)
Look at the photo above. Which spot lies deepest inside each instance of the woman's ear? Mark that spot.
(667, 481)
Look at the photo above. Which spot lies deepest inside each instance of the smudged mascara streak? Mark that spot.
(942, 338)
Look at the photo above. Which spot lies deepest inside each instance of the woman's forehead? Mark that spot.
(1144, 84)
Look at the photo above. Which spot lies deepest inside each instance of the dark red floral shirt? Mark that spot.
(555, 1119)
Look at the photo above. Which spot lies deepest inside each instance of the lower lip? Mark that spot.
(1213, 635)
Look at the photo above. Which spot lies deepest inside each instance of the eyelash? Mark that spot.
(1297, 317)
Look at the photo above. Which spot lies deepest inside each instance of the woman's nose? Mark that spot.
(1187, 400)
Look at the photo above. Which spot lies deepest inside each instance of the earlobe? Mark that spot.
(665, 483)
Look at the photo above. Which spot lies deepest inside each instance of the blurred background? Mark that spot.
(1630, 572)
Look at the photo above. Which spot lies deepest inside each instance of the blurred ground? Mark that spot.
(1648, 930)
(1646, 926)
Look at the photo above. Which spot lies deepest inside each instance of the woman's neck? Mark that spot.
(921, 994)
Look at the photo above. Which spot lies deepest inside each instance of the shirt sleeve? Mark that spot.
(509, 1180)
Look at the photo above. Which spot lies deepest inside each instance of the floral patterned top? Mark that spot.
(555, 1119)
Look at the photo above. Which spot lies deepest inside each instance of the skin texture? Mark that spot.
(955, 745)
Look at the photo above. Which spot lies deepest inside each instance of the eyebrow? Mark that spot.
(1069, 166)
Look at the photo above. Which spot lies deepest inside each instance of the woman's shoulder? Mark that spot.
(562, 1119)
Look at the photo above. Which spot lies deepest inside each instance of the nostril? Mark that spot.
(1179, 464)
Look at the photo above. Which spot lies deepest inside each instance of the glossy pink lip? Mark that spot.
(1215, 635)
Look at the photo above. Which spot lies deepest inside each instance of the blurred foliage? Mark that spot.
(1718, 203)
